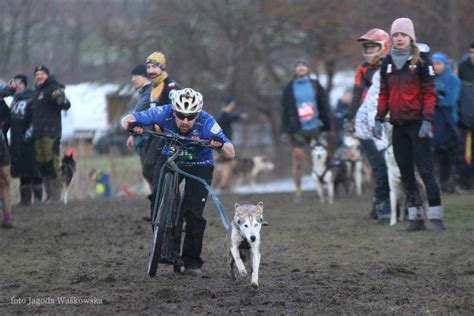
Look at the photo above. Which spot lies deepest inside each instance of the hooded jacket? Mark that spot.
(409, 93)
(46, 109)
(448, 88)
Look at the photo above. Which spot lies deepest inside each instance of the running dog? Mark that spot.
(397, 193)
(242, 168)
(68, 168)
(322, 173)
(244, 237)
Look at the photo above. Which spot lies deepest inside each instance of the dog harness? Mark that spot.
(328, 167)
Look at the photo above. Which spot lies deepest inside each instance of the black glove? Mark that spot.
(132, 125)
(219, 140)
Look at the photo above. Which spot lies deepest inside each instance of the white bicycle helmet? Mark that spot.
(186, 101)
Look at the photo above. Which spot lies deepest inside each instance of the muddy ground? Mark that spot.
(315, 260)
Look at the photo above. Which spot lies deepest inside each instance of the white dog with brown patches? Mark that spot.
(245, 240)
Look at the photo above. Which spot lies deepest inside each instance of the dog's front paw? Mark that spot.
(254, 285)
(393, 222)
(243, 274)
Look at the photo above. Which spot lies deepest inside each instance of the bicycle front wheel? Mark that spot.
(162, 223)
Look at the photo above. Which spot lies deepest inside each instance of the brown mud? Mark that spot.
(315, 260)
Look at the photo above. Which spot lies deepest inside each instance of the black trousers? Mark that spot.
(194, 201)
(151, 157)
(450, 167)
(31, 181)
(411, 151)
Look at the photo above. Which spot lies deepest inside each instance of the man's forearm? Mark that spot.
(227, 151)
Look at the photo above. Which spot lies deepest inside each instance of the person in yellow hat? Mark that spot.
(162, 85)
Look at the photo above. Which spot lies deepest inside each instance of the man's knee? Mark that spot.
(298, 155)
(48, 169)
(195, 222)
(147, 174)
(4, 181)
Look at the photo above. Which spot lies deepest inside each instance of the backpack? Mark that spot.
(466, 106)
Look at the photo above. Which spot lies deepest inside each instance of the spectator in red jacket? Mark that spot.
(407, 92)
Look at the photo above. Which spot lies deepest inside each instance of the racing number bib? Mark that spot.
(306, 111)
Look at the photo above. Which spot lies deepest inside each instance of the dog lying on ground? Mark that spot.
(68, 168)
(240, 169)
(397, 192)
(244, 237)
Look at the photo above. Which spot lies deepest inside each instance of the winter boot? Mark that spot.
(383, 212)
(416, 220)
(25, 195)
(55, 187)
(7, 220)
(373, 212)
(47, 189)
(38, 193)
(435, 215)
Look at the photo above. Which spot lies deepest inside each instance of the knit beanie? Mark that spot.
(440, 57)
(139, 70)
(301, 61)
(158, 59)
(227, 100)
(403, 25)
(42, 68)
(22, 78)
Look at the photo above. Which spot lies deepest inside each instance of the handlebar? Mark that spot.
(177, 138)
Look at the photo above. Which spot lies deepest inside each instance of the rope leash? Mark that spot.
(215, 198)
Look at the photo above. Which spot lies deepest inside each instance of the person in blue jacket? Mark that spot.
(446, 137)
(184, 116)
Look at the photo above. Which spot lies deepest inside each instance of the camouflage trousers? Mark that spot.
(47, 155)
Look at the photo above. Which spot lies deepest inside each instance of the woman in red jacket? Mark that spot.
(407, 92)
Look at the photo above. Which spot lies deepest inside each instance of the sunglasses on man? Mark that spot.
(183, 116)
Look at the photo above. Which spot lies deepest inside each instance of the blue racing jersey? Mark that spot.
(205, 127)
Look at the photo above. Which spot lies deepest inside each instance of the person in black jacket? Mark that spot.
(5, 165)
(162, 85)
(305, 113)
(143, 86)
(466, 67)
(466, 74)
(47, 102)
(22, 150)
